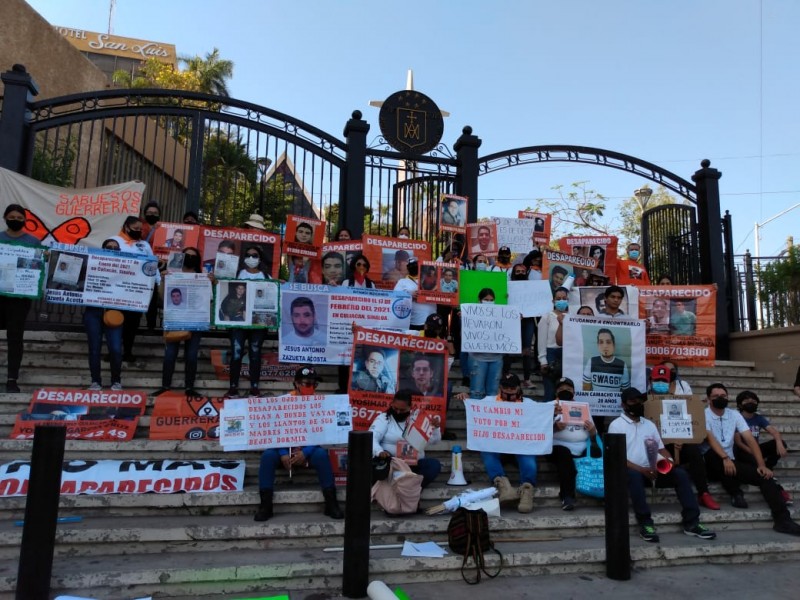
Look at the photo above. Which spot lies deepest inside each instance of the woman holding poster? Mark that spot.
(484, 368)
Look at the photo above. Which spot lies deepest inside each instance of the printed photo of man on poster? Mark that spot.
(683, 316)
(423, 374)
(605, 371)
(375, 370)
(304, 328)
(482, 239)
(453, 213)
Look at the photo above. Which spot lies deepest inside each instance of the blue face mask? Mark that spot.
(561, 305)
(633, 254)
(660, 387)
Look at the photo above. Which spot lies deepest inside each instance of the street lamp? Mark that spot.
(263, 163)
(642, 196)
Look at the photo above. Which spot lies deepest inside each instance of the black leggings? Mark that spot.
(13, 312)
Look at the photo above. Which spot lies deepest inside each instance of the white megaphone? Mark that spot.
(457, 470)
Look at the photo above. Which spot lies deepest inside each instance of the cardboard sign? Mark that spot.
(686, 426)
(509, 427)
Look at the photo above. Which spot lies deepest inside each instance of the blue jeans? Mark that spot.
(190, 354)
(494, 466)
(429, 468)
(484, 376)
(318, 459)
(255, 338)
(93, 322)
(679, 479)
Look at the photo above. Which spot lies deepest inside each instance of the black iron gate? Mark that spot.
(669, 243)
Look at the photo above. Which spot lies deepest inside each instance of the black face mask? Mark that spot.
(152, 219)
(635, 410)
(720, 403)
(15, 225)
(191, 261)
(565, 395)
(750, 407)
(399, 417)
(135, 235)
(413, 269)
(519, 277)
(512, 397)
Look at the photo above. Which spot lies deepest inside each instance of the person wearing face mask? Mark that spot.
(359, 267)
(96, 326)
(410, 284)
(519, 272)
(480, 263)
(503, 263)
(14, 311)
(305, 384)
(191, 264)
(569, 442)
(388, 429)
(772, 450)
(130, 240)
(550, 340)
(630, 271)
(722, 425)
(404, 233)
(639, 434)
(689, 456)
(533, 262)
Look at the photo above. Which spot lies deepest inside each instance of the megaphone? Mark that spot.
(664, 466)
(457, 470)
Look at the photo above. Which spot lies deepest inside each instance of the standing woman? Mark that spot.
(191, 264)
(484, 368)
(130, 240)
(550, 342)
(253, 270)
(94, 323)
(14, 311)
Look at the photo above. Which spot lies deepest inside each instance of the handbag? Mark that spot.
(380, 468)
(399, 493)
(589, 480)
(468, 535)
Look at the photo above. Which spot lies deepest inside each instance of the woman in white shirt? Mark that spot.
(359, 267)
(549, 342)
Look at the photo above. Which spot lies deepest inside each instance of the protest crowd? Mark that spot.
(394, 320)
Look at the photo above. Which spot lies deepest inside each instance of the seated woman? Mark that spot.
(388, 428)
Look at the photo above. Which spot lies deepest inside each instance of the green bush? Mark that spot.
(780, 290)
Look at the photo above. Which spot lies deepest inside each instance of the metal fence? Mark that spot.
(763, 304)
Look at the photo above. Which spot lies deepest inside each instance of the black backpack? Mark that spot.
(468, 535)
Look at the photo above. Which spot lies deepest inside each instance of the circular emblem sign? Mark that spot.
(411, 122)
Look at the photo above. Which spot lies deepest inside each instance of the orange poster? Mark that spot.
(438, 283)
(388, 258)
(174, 237)
(178, 417)
(541, 226)
(304, 236)
(601, 248)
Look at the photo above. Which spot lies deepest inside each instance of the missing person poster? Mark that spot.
(187, 302)
(453, 213)
(438, 283)
(335, 265)
(482, 239)
(490, 328)
(285, 421)
(598, 301)
(247, 303)
(679, 419)
(21, 271)
(558, 268)
(317, 321)
(541, 225)
(235, 243)
(174, 237)
(386, 362)
(102, 278)
(304, 236)
(607, 356)
(388, 258)
(603, 249)
(681, 323)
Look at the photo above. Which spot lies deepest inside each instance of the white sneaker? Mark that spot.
(95, 387)
(116, 387)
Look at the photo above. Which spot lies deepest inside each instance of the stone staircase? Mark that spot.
(207, 545)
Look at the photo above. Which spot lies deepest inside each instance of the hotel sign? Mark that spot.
(115, 45)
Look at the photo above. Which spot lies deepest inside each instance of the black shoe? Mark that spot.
(160, 391)
(738, 501)
(648, 533)
(255, 392)
(332, 509)
(129, 358)
(568, 503)
(465, 381)
(449, 435)
(787, 526)
(264, 511)
(232, 393)
(12, 387)
(193, 393)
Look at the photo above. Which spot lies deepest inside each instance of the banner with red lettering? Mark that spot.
(223, 249)
(177, 416)
(386, 362)
(132, 477)
(681, 323)
(71, 216)
(559, 267)
(603, 249)
(103, 416)
(509, 427)
(388, 258)
(438, 283)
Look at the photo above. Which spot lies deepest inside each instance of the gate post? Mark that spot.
(712, 259)
(466, 148)
(20, 88)
(353, 184)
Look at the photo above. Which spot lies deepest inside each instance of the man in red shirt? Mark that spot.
(629, 271)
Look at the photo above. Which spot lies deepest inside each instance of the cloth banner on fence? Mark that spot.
(71, 216)
(285, 421)
(103, 416)
(271, 368)
(187, 302)
(132, 477)
(681, 323)
(438, 283)
(509, 427)
(222, 242)
(541, 226)
(317, 323)
(530, 298)
(388, 258)
(594, 297)
(21, 271)
(177, 416)
(602, 249)
(247, 304)
(385, 362)
(103, 278)
(491, 328)
(558, 268)
(606, 356)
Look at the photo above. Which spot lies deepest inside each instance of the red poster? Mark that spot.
(601, 248)
(174, 237)
(558, 267)
(541, 227)
(178, 417)
(438, 283)
(482, 239)
(304, 236)
(388, 258)
(234, 242)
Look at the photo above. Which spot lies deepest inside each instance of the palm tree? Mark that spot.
(212, 72)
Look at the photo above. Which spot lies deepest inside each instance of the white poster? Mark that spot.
(531, 298)
(492, 328)
(317, 320)
(103, 278)
(21, 270)
(187, 302)
(517, 234)
(247, 303)
(509, 427)
(285, 421)
(603, 357)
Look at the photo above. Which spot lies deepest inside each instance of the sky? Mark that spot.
(671, 82)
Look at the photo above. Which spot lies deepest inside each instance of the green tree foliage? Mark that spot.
(53, 163)
(780, 290)
(630, 212)
(229, 191)
(212, 72)
(578, 210)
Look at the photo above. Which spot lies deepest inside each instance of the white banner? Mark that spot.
(21, 270)
(187, 302)
(285, 421)
(132, 477)
(317, 320)
(530, 298)
(104, 278)
(71, 216)
(509, 427)
(603, 357)
(492, 328)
